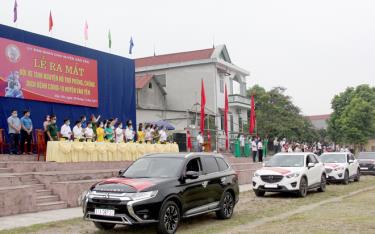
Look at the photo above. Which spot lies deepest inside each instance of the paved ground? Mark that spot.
(345, 209)
(24, 220)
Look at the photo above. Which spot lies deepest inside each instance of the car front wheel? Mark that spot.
(226, 206)
(302, 192)
(259, 193)
(346, 178)
(358, 176)
(104, 226)
(323, 182)
(169, 218)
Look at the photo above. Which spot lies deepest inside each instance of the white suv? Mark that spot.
(341, 166)
(290, 172)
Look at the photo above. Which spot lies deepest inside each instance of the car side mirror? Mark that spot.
(192, 175)
(310, 165)
(351, 161)
(121, 172)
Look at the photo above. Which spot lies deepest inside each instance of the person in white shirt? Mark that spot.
(129, 132)
(66, 131)
(119, 134)
(148, 134)
(78, 131)
(89, 132)
(200, 142)
(254, 149)
(163, 136)
(276, 145)
(260, 150)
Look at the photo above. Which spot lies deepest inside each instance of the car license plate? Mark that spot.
(105, 212)
(364, 168)
(270, 186)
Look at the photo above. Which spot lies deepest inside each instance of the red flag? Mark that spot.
(50, 21)
(203, 104)
(252, 116)
(226, 118)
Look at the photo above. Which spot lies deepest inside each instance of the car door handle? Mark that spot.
(204, 184)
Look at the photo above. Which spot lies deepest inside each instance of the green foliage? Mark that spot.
(353, 117)
(277, 116)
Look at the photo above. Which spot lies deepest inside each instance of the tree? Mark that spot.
(353, 117)
(277, 116)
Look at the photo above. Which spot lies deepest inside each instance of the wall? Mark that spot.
(370, 146)
(151, 98)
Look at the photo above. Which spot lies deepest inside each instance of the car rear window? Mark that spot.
(222, 164)
(211, 164)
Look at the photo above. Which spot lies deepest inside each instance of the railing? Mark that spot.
(236, 98)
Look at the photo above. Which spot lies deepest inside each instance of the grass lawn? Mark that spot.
(249, 209)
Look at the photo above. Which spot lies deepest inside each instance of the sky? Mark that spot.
(315, 49)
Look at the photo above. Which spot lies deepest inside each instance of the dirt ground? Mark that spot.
(337, 210)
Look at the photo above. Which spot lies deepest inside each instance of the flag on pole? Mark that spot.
(252, 116)
(50, 21)
(226, 109)
(203, 105)
(15, 11)
(86, 31)
(131, 45)
(109, 39)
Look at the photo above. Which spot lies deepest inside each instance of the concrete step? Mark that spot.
(6, 170)
(32, 181)
(3, 165)
(51, 205)
(11, 179)
(17, 158)
(38, 186)
(47, 199)
(43, 192)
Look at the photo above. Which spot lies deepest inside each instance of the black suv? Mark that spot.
(162, 189)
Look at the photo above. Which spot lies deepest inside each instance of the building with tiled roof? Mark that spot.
(168, 88)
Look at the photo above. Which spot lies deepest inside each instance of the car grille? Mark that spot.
(271, 178)
(106, 201)
(328, 170)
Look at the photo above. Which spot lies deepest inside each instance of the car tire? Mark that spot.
(358, 176)
(169, 218)
(226, 206)
(259, 193)
(346, 178)
(323, 183)
(303, 187)
(104, 226)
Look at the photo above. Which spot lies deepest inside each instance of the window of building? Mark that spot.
(150, 85)
(221, 85)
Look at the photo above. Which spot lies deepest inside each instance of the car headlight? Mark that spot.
(256, 174)
(291, 175)
(339, 169)
(142, 195)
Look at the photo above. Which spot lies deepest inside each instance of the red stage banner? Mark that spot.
(36, 73)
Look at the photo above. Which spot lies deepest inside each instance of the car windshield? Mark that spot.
(152, 167)
(286, 160)
(333, 158)
(366, 156)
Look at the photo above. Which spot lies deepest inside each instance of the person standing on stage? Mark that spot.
(100, 132)
(129, 132)
(78, 131)
(47, 121)
(109, 131)
(52, 129)
(66, 131)
(89, 132)
(140, 134)
(14, 129)
(83, 122)
(163, 136)
(26, 132)
(119, 133)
